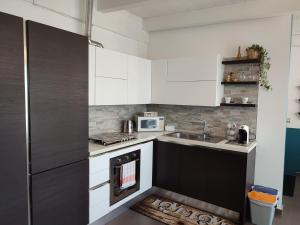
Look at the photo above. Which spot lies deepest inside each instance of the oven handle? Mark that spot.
(117, 167)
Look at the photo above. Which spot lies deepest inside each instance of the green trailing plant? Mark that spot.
(264, 65)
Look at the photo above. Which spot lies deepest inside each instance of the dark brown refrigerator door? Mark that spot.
(58, 91)
(60, 196)
(13, 165)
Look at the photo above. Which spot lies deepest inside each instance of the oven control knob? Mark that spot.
(127, 157)
(119, 160)
(134, 155)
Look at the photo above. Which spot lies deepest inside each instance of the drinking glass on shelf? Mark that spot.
(254, 77)
(243, 76)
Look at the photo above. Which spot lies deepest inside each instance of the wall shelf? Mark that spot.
(240, 83)
(243, 60)
(238, 105)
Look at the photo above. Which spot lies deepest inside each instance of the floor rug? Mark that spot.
(174, 213)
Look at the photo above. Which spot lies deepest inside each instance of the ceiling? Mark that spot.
(156, 8)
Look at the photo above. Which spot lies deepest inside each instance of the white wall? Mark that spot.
(294, 85)
(272, 109)
(119, 31)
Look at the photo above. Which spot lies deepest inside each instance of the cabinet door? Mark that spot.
(146, 166)
(193, 68)
(159, 81)
(111, 91)
(111, 64)
(139, 80)
(165, 166)
(214, 176)
(99, 202)
(13, 162)
(58, 78)
(60, 196)
(199, 93)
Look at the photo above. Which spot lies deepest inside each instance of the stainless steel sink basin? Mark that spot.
(195, 137)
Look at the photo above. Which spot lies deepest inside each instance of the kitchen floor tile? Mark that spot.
(291, 213)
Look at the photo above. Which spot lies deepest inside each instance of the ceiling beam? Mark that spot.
(115, 5)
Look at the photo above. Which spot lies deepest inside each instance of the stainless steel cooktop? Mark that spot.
(111, 138)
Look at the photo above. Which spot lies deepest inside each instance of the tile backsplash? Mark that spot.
(110, 118)
(189, 117)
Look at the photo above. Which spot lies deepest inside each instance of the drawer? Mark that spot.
(99, 203)
(99, 170)
(99, 195)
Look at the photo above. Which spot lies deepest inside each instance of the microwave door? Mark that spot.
(148, 124)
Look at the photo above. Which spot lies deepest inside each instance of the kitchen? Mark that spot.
(137, 72)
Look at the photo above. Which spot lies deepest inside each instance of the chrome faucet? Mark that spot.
(204, 125)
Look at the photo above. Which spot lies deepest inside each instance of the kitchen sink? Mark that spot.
(195, 137)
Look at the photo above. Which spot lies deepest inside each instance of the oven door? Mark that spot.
(117, 192)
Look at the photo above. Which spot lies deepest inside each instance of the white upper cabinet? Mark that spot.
(159, 70)
(111, 64)
(118, 79)
(188, 81)
(111, 91)
(139, 80)
(92, 77)
(192, 69)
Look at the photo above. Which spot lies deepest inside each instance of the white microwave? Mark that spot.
(156, 123)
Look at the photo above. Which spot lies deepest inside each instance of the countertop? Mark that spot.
(97, 149)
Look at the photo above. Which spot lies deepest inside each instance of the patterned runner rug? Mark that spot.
(174, 213)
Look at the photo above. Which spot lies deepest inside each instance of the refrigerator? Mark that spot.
(13, 152)
(57, 74)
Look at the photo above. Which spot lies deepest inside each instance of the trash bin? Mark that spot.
(263, 202)
(263, 189)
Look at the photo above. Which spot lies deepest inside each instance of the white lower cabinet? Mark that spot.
(99, 178)
(99, 170)
(146, 166)
(99, 203)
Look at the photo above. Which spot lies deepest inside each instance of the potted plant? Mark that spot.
(257, 51)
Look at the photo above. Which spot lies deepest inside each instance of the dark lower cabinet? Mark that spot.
(13, 162)
(60, 196)
(220, 177)
(166, 169)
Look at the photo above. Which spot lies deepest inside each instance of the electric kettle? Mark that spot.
(128, 126)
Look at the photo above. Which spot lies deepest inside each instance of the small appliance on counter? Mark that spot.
(244, 135)
(128, 126)
(145, 123)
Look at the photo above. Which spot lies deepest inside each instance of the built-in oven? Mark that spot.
(124, 175)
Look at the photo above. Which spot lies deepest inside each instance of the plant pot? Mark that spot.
(252, 54)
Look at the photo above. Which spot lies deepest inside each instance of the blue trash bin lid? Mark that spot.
(263, 189)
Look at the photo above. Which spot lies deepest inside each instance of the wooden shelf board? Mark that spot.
(240, 83)
(243, 60)
(238, 105)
